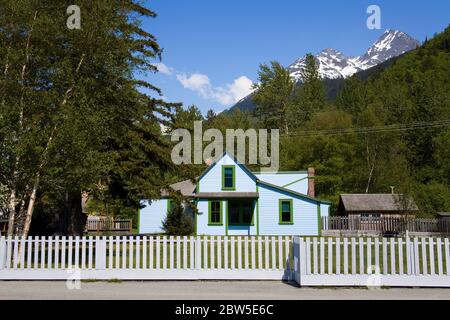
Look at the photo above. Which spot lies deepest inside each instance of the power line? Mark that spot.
(375, 129)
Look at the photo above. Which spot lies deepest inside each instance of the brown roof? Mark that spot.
(186, 188)
(251, 195)
(376, 202)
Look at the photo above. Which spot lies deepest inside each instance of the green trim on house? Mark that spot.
(169, 201)
(319, 221)
(210, 222)
(280, 212)
(257, 213)
(300, 195)
(233, 188)
(293, 182)
(279, 172)
(226, 219)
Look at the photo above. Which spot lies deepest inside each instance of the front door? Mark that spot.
(240, 216)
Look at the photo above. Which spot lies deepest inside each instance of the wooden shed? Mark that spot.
(377, 205)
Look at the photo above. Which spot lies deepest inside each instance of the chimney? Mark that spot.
(311, 175)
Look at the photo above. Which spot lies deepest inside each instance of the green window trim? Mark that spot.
(233, 187)
(210, 222)
(169, 205)
(280, 211)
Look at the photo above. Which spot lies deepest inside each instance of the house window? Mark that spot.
(286, 211)
(240, 212)
(228, 178)
(215, 213)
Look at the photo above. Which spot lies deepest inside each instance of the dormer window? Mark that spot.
(228, 178)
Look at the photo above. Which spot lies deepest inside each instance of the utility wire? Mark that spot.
(375, 129)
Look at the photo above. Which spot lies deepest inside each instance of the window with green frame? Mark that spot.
(215, 212)
(228, 178)
(286, 211)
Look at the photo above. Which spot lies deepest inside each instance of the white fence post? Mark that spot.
(100, 253)
(2, 252)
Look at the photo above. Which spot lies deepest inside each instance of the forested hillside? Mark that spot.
(391, 128)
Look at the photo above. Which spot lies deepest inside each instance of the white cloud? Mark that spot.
(227, 95)
(163, 68)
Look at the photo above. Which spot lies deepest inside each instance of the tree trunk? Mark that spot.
(76, 218)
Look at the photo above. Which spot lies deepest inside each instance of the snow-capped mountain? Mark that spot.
(334, 64)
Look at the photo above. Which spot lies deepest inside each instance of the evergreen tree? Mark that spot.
(177, 222)
(273, 96)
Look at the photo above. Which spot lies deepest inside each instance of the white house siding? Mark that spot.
(305, 214)
(212, 180)
(151, 217)
(202, 220)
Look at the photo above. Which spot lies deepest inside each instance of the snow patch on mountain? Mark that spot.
(334, 64)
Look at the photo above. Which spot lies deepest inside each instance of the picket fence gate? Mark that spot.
(372, 262)
(145, 258)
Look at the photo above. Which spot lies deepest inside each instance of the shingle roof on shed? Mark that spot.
(377, 202)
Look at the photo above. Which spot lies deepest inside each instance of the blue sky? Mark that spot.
(212, 49)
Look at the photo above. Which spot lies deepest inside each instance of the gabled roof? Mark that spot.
(377, 202)
(235, 160)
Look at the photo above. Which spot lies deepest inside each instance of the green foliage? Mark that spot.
(178, 222)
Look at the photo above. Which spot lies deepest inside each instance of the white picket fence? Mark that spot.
(159, 257)
(308, 261)
(372, 262)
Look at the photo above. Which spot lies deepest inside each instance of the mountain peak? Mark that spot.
(335, 64)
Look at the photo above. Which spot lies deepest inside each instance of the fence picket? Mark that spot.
(377, 256)
(253, 253)
(338, 256)
(424, 257)
(77, 252)
(274, 259)
(369, 256)
(361, 256)
(431, 247)
(232, 251)
(416, 257)
(322, 256)
(219, 252)
(158, 252)
(185, 251)
(400, 256)
(178, 252)
(90, 252)
(205, 253)
(2, 252)
(330, 256)
(315, 257)
(56, 257)
(239, 257)
(439, 255)
(50, 252)
(212, 255)
(280, 253)
(225, 249)
(447, 255)
(35, 253)
(392, 245)
(266, 253)
(385, 256)
(260, 258)
(345, 256)
(171, 253)
(164, 260)
(308, 255)
(287, 242)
